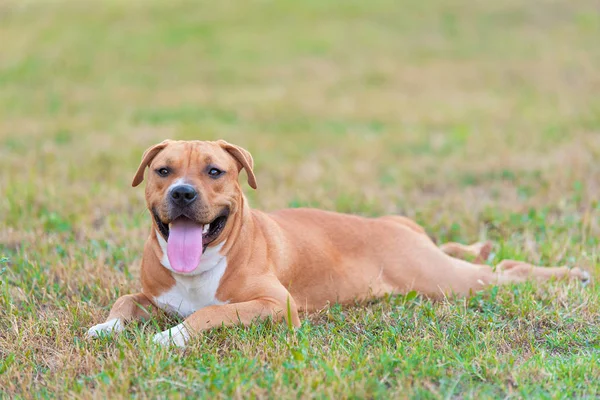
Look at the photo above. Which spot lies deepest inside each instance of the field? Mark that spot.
(479, 119)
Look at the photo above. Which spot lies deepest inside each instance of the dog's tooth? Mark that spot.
(205, 228)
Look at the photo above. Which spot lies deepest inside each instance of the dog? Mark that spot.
(214, 261)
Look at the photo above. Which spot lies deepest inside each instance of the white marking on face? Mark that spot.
(109, 327)
(179, 181)
(177, 335)
(194, 290)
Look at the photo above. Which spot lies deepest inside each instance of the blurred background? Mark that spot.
(359, 106)
(478, 118)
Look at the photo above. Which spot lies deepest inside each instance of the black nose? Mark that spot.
(183, 195)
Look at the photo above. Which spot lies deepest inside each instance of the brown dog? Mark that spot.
(213, 260)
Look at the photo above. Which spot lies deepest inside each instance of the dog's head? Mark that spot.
(192, 191)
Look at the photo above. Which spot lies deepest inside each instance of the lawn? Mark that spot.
(479, 119)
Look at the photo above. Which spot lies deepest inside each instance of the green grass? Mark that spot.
(478, 119)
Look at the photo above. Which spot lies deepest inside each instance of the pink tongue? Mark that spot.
(184, 247)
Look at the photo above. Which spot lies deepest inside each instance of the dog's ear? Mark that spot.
(147, 158)
(244, 159)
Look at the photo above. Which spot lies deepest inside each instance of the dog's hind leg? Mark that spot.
(442, 275)
(440, 271)
(478, 252)
(509, 271)
(467, 277)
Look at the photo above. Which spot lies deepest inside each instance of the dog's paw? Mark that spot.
(483, 251)
(582, 275)
(585, 278)
(109, 327)
(177, 335)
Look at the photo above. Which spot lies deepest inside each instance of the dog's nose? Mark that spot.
(183, 195)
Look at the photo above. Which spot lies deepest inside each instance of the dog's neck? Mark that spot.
(242, 226)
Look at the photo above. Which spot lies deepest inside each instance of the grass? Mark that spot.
(478, 119)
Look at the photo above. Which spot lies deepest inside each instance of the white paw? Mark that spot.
(585, 278)
(107, 328)
(177, 335)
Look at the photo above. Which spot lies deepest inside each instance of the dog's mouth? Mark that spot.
(188, 239)
(210, 231)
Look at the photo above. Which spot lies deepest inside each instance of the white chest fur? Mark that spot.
(194, 291)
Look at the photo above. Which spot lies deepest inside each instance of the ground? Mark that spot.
(479, 119)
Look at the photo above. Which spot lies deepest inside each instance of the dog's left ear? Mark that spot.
(244, 159)
(147, 158)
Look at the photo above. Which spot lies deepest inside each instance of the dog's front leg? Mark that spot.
(125, 309)
(229, 314)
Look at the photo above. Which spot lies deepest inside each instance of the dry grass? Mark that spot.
(478, 119)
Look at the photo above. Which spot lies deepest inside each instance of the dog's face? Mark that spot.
(192, 191)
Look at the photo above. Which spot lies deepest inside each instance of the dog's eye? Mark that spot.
(163, 172)
(214, 172)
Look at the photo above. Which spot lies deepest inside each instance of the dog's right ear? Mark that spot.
(147, 158)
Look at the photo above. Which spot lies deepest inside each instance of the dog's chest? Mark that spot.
(191, 293)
